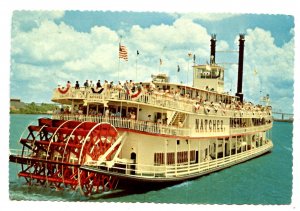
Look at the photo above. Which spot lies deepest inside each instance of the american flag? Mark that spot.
(123, 52)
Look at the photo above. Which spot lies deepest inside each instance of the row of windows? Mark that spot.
(182, 157)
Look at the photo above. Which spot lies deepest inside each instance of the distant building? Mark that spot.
(16, 104)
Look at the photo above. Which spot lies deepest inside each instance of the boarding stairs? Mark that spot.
(178, 117)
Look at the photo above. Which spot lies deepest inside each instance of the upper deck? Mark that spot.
(237, 118)
(185, 99)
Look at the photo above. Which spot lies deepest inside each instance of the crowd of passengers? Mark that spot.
(175, 94)
(240, 122)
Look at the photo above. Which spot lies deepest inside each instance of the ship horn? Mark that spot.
(239, 92)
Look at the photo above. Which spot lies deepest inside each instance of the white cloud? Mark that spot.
(54, 53)
(50, 43)
(26, 20)
(274, 66)
(205, 16)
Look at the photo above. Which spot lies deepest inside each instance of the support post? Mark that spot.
(224, 153)
(216, 155)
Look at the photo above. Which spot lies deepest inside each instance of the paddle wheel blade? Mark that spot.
(54, 150)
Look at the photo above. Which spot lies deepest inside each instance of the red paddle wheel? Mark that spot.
(54, 150)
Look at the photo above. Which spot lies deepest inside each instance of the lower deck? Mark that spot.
(152, 156)
(173, 173)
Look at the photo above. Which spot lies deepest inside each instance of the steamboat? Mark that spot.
(147, 132)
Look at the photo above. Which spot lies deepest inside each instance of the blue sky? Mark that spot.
(51, 47)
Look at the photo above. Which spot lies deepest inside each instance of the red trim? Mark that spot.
(64, 91)
(136, 94)
(133, 95)
(182, 137)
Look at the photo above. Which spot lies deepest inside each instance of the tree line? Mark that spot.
(33, 108)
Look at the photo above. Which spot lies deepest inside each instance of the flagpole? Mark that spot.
(136, 60)
(160, 61)
(187, 75)
(178, 72)
(119, 70)
(119, 59)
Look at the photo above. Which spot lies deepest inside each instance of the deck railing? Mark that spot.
(242, 130)
(160, 100)
(155, 128)
(168, 171)
(126, 123)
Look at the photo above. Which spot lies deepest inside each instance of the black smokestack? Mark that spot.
(213, 49)
(239, 92)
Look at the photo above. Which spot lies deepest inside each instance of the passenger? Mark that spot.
(197, 106)
(132, 119)
(140, 86)
(86, 84)
(159, 121)
(165, 121)
(180, 124)
(112, 86)
(77, 85)
(107, 113)
(105, 85)
(132, 116)
(91, 84)
(98, 84)
(151, 87)
(56, 111)
(119, 88)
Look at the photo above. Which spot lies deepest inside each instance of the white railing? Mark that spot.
(155, 128)
(163, 171)
(241, 130)
(127, 123)
(160, 100)
(217, 163)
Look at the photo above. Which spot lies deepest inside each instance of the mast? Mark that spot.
(239, 92)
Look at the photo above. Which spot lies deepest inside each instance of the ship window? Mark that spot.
(192, 156)
(159, 158)
(182, 157)
(178, 142)
(170, 158)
